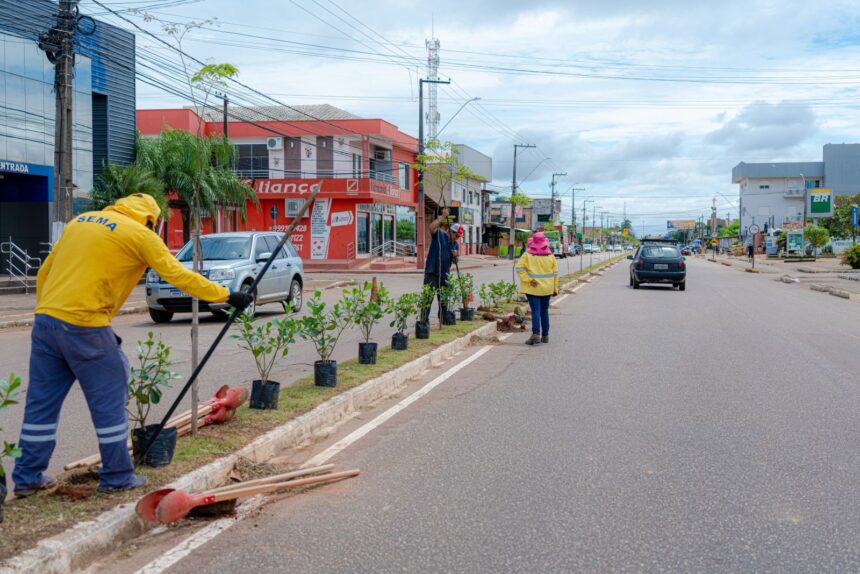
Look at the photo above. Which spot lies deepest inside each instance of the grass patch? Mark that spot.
(577, 274)
(32, 519)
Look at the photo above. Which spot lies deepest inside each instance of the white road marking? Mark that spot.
(219, 526)
(325, 455)
(200, 538)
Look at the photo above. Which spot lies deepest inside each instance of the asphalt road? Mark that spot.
(714, 430)
(231, 365)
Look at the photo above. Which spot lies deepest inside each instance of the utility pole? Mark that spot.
(226, 102)
(58, 44)
(419, 219)
(582, 251)
(573, 191)
(552, 201)
(512, 236)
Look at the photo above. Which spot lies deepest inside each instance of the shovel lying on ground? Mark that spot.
(146, 506)
(177, 504)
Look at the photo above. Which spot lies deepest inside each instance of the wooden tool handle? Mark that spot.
(271, 479)
(266, 488)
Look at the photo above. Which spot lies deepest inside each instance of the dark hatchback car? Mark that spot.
(658, 263)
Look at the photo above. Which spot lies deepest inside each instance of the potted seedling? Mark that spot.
(268, 342)
(423, 302)
(366, 305)
(448, 295)
(466, 289)
(8, 393)
(322, 326)
(485, 292)
(145, 389)
(403, 307)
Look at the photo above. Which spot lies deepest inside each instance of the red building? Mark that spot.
(363, 166)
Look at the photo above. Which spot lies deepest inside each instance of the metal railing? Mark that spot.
(392, 249)
(19, 263)
(350, 252)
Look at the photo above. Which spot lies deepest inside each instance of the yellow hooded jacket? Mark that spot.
(540, 268)
(101, 256)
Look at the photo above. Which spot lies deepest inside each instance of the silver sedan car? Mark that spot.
(233, 260)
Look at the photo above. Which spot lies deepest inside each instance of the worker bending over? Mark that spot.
(82, 285)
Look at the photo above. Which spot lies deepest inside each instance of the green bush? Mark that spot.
(366, 307)
(851, 256)
(268, 342)
(8, 394)
(324, 325)
(404, 307)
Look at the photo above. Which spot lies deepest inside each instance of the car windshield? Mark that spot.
(218, 249)
(660, 251)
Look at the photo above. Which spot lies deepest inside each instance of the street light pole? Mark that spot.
(466, 103)
(552, 200)
(511, 237)
(582, 251)
(420, 227)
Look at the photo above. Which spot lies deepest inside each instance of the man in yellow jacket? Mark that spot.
(538, 272)
(83, 283)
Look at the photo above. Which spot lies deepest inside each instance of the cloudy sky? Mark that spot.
(645, 105)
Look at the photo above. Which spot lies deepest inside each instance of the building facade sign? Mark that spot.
(820, 202)
(15, 167)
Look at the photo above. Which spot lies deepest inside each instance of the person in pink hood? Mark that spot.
(538, 272)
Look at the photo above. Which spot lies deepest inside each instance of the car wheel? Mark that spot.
(631, 280)
(294, 303)
(160, 316)
(636, 284)
(251, 309)
(682, 287)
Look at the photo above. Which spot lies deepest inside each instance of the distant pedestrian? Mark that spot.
(442, 253)
(538, 272)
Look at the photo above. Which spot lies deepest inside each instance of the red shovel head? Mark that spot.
(219, 415)
(233, 398)
(147, 505)
(177, 504)
(222, 392)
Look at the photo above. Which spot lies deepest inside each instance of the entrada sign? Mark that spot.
(15, 167)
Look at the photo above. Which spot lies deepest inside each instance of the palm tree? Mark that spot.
(116, 181)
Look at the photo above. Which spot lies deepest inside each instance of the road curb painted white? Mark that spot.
(77, 547)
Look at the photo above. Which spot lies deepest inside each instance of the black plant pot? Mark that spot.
(2, 495)
(325, 373)
(467, 314)
(449, 318)
(367, 353)
(264, 395)
(161, 451)
(422, 330)
(399, 341)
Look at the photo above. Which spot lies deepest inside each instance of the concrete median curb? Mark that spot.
(75, 548)
(29, 322)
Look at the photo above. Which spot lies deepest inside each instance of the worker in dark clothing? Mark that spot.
(82, 285)
(442, 253)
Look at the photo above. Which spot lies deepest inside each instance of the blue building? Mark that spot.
(103, 122)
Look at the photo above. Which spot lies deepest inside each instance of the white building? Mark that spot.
(772, 194)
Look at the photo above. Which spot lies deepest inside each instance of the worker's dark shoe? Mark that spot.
(544, 339)
(533, 340)
(137, 482)
(30, 490)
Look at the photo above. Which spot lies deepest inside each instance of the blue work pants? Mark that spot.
(60, 354)
(539, 305)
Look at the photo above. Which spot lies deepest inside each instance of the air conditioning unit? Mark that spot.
(275, 143)
(382, 155)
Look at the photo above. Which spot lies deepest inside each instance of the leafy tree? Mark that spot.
(840, 224)
(117, 181)
(440, 165)
(730, 230)
(405, 229)
(816, 236)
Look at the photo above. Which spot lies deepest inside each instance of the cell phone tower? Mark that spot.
(432, 116)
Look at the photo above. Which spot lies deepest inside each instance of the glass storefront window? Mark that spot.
(362, 226)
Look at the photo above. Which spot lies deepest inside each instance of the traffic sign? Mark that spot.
(626, 231)
(714, 241)
(754, 229)
(274, 212)
(854, 216)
